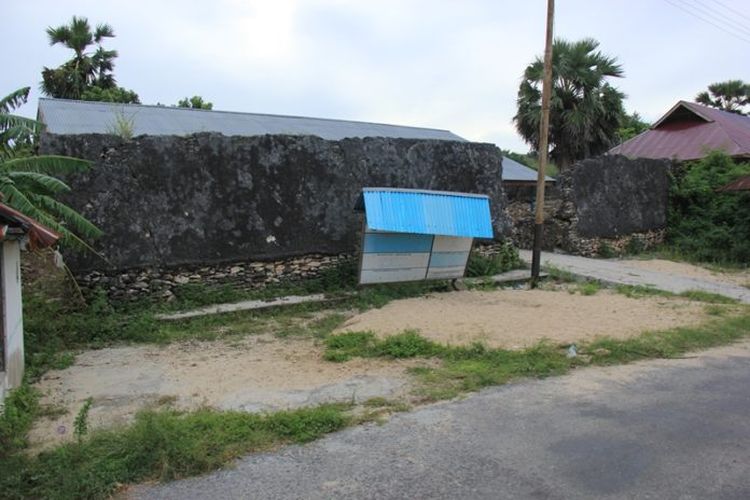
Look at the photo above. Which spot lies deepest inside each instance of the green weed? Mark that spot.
(160, 445)
(588, 288)
(558, 274)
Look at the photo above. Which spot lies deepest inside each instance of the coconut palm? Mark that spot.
(84, 70)
(732, 96)
(585, 110)
(28, 182)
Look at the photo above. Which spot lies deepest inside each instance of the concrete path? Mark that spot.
(658, 429)
(245, 305)
(617, 272)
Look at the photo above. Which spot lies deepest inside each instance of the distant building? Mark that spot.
(69, 117)
(689, 131)
(17, 231)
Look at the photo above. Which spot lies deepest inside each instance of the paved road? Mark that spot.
(658, 429)
(615, 271)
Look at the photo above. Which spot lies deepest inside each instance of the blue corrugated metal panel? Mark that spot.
(62, 116)
(395, 243)
(428, 212)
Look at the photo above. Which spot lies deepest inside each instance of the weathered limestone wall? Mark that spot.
(207, 199)
(601, 205)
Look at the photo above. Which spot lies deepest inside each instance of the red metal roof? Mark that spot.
(39, 236)
(688, 131)
(740, 184)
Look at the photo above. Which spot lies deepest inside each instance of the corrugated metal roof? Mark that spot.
(518, 172)
(39, 236)
(688, 131)
(427, 212)
(67, 117)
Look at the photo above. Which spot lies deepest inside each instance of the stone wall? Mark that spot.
(167, 202)
(609, 204)
(158, 283)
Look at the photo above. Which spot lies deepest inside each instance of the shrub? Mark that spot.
(705, 224)
(505, 259)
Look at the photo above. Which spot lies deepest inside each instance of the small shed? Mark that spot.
(17, 232)
(414, 235)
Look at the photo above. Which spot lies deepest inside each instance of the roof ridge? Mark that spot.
(246, 113)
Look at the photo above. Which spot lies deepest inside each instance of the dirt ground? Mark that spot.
(265, 373)
(741, 278)
(254, 373)
(520, 318)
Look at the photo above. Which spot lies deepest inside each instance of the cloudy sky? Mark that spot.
(440, 63)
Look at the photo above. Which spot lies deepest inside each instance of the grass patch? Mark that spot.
(639, 291)
(669, 343)
(708, 297)
(21, 408)
(408, 344)
(160, 445)
(587, 288)
(468, 368)
(560, 275)
(505, 259)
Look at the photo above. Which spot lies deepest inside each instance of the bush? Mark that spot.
(707, 225)
(504, 260)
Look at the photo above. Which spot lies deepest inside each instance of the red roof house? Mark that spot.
(688, 132)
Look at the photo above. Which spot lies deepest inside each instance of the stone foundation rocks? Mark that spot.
(161, 284)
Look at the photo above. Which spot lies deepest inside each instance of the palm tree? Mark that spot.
(28, 182)
(732, 96)
(585, 110)
(85, 70)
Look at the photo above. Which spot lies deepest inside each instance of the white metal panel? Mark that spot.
(451, 244)
(372, 261)
(390, 275)
(439, 273)
(12, 312)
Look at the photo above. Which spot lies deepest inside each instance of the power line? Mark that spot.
(721, 18)
(731, 9)
(698, 16)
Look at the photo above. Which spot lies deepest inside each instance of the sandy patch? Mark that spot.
(520, 318)
(255, 373)
(739, 278)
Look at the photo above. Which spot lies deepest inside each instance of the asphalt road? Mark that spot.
(657, 429)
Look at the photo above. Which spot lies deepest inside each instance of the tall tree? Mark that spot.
(630, 126)
(29, 182)
(585, 110)
(732, 96)
(87, 70)
(195, 102)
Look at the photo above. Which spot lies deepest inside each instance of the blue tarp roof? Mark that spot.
(427, 212)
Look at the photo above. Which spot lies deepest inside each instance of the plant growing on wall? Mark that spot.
(705, 224)
(29, 182)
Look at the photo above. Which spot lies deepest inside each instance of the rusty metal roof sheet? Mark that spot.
(39, 236)
(740, 184)
(66, 117)
(688, 131)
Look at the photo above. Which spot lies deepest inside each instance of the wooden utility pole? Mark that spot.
(543, 146)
